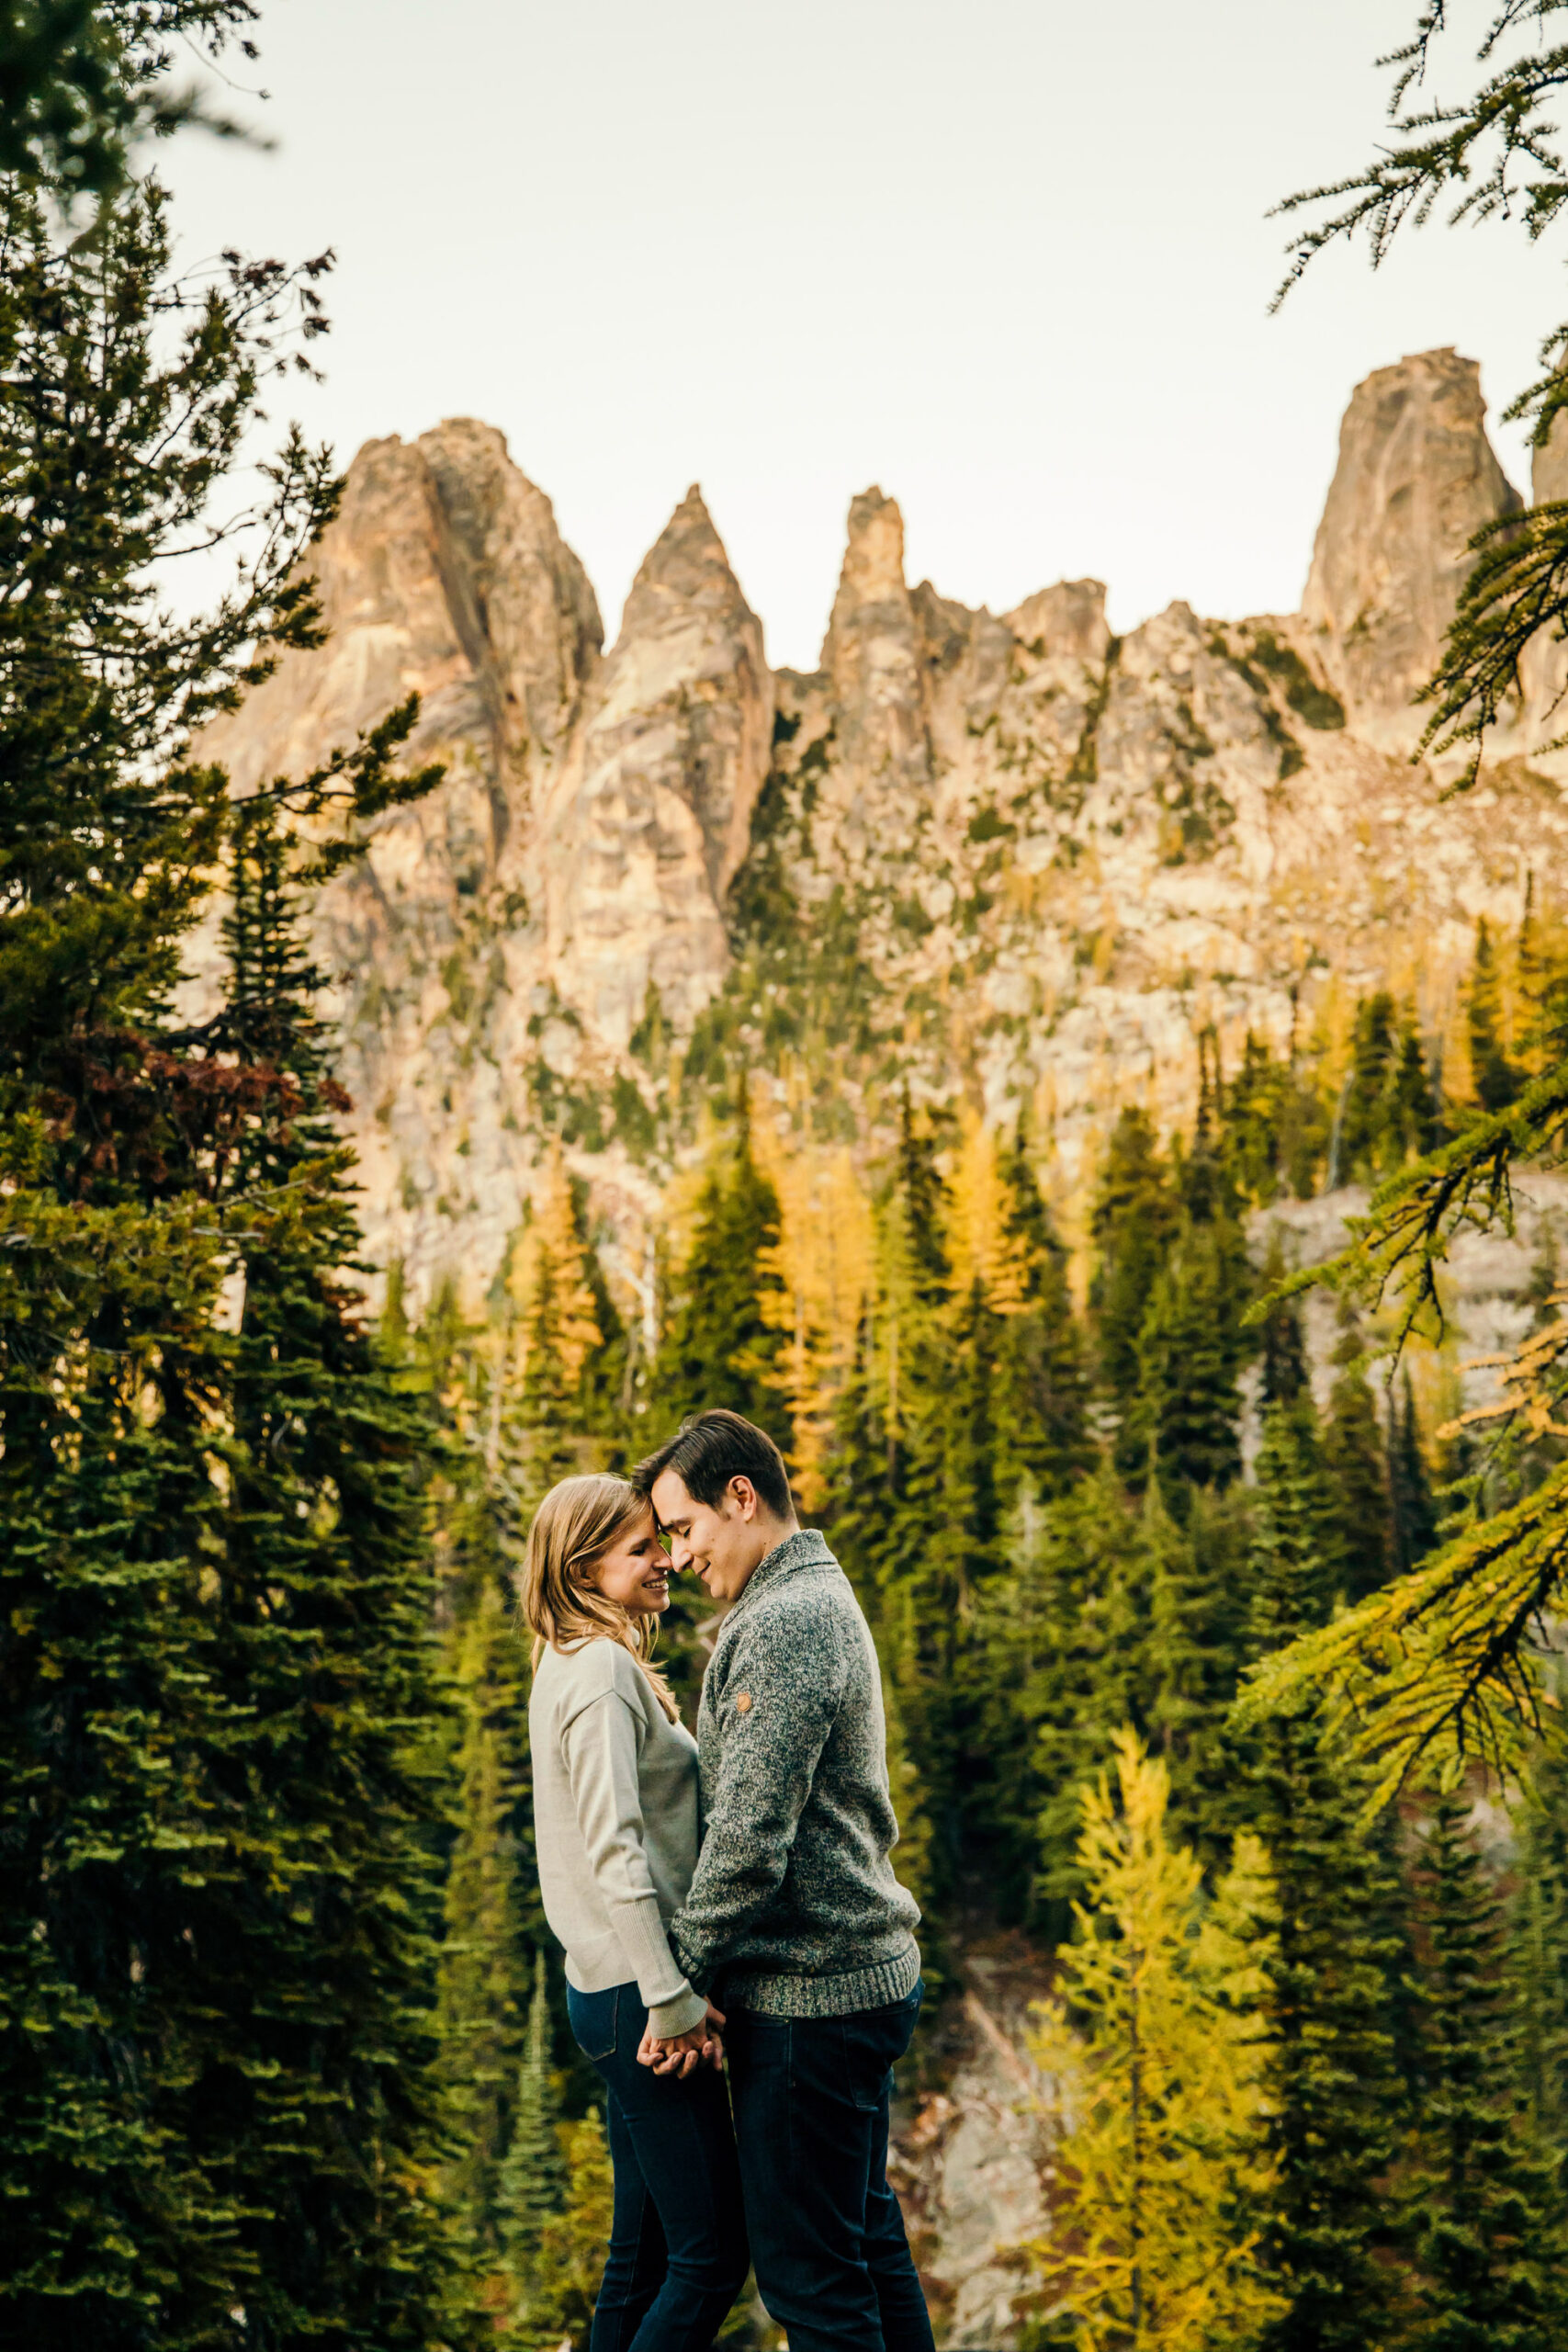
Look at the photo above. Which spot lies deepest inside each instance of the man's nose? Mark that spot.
(680, 1553)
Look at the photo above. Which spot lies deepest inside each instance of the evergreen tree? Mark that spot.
(1135, 1217)
(1485, 2225)
(1413, 1516)
(1538, 1955)
(1363, 1134)
(1333, 2087)
(215, 2061)
(1191, 1348)
(483, 1948)
(533, 2178)
(719, 1346)
(1358, 1532)
(1041, 1406)
(1060, 1647)
(1196, 1579)
(1493, 1077)
(1284, 1350)
(315, 1941)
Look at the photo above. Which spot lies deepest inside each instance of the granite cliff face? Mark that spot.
(1009, 857)
(1417, 479)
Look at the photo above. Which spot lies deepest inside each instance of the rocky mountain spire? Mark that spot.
(872, 652)
(652, 810)
(1416, 477)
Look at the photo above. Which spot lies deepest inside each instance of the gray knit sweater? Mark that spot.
(794, 1909)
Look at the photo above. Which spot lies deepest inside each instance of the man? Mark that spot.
(795, 1923)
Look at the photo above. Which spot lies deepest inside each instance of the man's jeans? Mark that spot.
(678, 2239)
(810, 2097)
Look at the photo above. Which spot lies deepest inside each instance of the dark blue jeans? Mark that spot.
(811, 2097)
(678, 2256)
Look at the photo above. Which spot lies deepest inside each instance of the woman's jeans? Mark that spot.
(811, 2098)
(678, 2256)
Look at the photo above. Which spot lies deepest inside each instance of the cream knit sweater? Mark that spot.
(616, 1824)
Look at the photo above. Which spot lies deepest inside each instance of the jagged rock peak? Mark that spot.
(1416, 476)
(1069, 618)
(873, 652)
(686, 571)
(653, 811)
(521, 600)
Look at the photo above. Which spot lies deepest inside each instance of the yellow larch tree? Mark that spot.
(1155, 2050)
(823, 1262)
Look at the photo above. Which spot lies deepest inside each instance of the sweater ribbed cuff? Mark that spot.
(875, 1988)
(683, 2015)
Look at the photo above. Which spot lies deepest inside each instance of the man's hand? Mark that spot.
(677, 2053)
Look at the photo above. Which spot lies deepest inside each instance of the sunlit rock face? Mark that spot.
(1010, 859)
(1417, 479)
(493, 951)
(650, 813)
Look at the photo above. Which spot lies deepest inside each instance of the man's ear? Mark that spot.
(745, 1494)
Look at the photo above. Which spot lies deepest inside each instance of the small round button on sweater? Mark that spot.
(743, 1704)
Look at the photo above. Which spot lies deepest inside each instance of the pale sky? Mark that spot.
(1005, 258)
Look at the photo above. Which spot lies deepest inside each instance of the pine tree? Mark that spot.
(1192, 1348)
(317, 1937)
(1334, 2091)
(1135, 1222)
(207, 1670)
(1357, 1532)
(1196, 1581)
(1364, 1111)
(533, 2178)
(1538, 1955)
(1495, 1079)
(1484, 2222)
(1413, 1516)
(1163, 2173)
(1059, 1652)
(483, 1948)
(1041, 1384)
(720, 1346)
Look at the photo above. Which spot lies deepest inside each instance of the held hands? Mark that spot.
(677, 2053)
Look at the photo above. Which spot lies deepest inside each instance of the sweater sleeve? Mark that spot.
(601, 1749)
(783, 1683)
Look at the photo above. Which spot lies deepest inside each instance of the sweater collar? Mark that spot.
(807, 1548)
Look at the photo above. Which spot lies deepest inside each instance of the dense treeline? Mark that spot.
(1046, 1510)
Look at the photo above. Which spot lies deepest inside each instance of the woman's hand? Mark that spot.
(677, 2053)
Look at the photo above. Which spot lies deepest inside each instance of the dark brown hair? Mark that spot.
(710, 1450)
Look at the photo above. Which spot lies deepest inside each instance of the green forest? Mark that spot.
(1230, 1686)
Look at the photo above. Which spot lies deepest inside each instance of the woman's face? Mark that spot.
(635, 1571)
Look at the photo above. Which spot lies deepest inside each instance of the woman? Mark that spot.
(617, 1829)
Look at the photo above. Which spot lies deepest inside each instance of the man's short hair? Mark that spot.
(710, 1449)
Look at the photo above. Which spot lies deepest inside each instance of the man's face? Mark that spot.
(721, 1544)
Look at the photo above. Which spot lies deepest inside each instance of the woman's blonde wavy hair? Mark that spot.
(574, 1528)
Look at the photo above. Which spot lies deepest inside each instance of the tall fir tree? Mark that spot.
(1494, 1078)
(1538, 1955)
(1413, 1512)
(1485, 2220)
(1333, 2089)
(1040, 1407)
(533, 2178)
(318, 1940)
(1136, 1212)
(214, 2065)
(1359, 1532)
(719, 1346)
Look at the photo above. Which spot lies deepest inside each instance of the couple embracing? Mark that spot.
(726, 1905)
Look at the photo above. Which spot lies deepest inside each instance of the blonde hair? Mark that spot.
(574, 1528)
